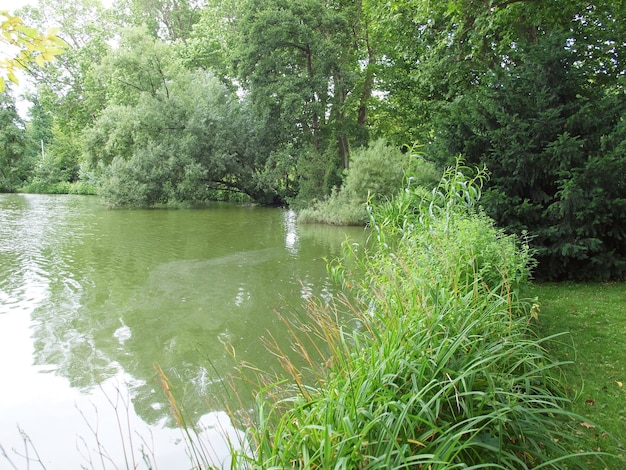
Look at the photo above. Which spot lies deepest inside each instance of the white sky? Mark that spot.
(13, 5)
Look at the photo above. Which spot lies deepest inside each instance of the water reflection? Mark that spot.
(93, 295)
(291, 232)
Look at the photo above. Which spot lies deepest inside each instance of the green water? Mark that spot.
(92, 298)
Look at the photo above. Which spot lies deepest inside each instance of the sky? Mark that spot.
(13, 5)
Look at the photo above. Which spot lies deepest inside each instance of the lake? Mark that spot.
(92, 300)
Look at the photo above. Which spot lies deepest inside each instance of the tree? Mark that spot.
(14, 164)
(307, 67)
(60, 87)
(139, 64)
(538, 110)
(87, 29)
(299, 61)
(187, 142)
(26, 46)
(167, 20)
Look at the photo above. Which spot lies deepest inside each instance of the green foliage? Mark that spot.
(279, 173)
(317, 175)
(306, 67)
(113, 135)
(140, 64)
(14, 163)
(26, 46)
(38, 186)
(460, 244)
(47, 174)
(55, 168)
(337, 209)
(555, 147)
(375, 174)
(532, 90)
(63, 88)
(299, 58)
(166, 20)
(141, 181)
(439, 366)
(182, 144)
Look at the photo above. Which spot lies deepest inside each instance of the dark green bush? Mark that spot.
(555, 144)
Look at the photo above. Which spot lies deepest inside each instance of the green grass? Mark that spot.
(439, 366)
(594, 317)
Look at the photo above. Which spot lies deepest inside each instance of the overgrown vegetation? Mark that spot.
(439, 366)
(374, 176)
(545, 110)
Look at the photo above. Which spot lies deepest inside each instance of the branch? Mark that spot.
(123, 82)
(506, 3)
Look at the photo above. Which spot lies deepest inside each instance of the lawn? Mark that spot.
(594, 318)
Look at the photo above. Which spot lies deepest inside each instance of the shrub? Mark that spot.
(337, 209)
(554, 141)
(375, 175)
(375, 171)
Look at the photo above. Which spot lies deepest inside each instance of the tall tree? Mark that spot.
(532, 89)
(87, 28)
(308, 58)
(307, 66)
(139, 64)
(14, 164)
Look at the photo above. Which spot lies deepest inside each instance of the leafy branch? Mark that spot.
(23, 46)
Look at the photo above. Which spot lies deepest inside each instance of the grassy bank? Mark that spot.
(594, 317)
(440, 365)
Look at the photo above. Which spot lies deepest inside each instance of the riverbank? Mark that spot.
(441, 366)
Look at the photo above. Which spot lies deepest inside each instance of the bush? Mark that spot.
(141, 181)
(376, 174)
(337, 209)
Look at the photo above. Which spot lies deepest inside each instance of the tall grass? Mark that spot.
(434, 365)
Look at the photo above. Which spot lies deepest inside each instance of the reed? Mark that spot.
(433, 363)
